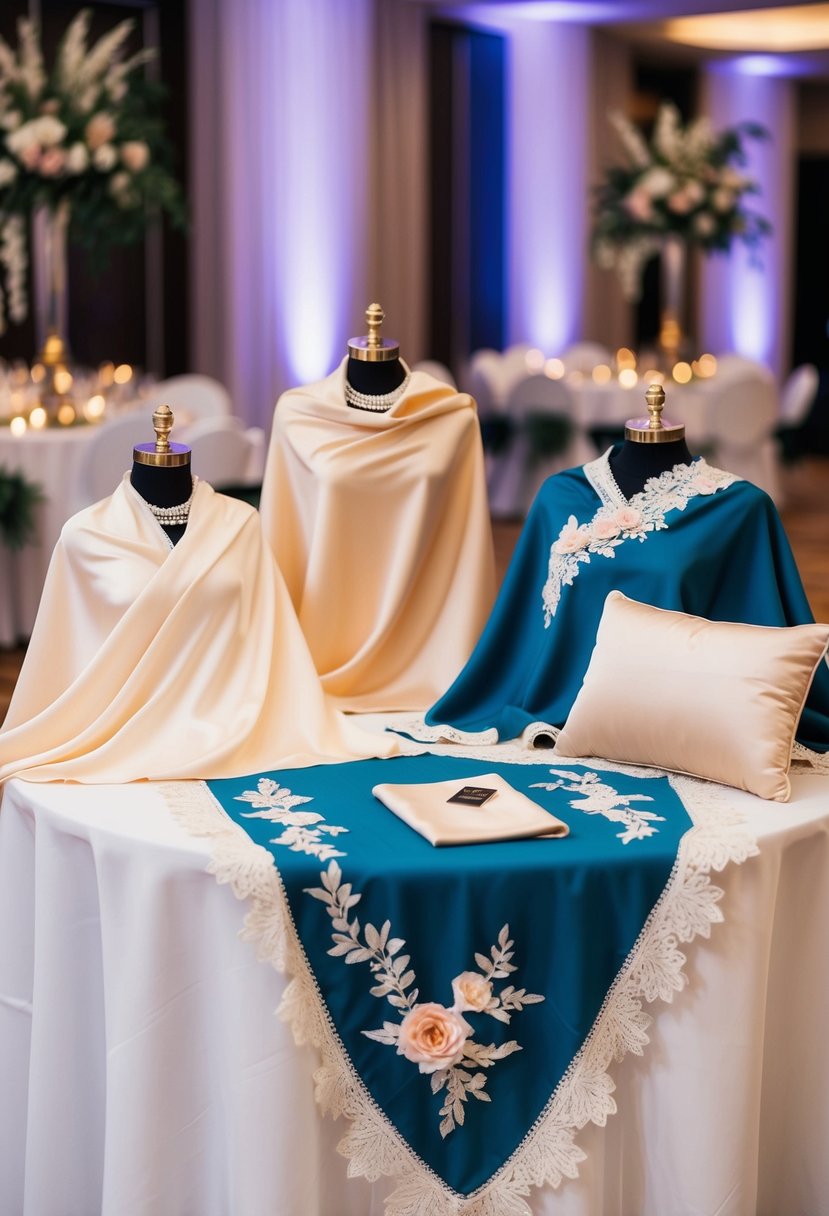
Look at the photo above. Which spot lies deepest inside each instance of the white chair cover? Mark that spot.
(742, 423)
(584, 356)
(225, 451)
(439, 370)
(191, 397)
(109, 455)
(798, 394)
(517, 481)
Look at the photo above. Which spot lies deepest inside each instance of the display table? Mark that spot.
(51, 458)
(144, 1072)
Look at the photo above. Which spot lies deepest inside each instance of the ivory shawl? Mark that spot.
(148, 661)
(380, 525)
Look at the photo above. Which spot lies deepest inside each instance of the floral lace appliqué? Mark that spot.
(436, 1037)
(600, 799)
(304, 830)
(617, 521)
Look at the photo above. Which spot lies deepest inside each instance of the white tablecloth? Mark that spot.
(144, 1074)
(51, 458)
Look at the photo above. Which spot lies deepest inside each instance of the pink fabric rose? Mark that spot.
(471, 991)
(572, 537)
(99, 130)
(606, 529)
(628, 519)
(433, 1037)
(135, 154)
(52, 162)
(704, 485)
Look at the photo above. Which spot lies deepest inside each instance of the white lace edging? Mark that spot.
(450, 735)
(687, 908)
(819, 761)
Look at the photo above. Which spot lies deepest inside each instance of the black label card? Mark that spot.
(473, 795)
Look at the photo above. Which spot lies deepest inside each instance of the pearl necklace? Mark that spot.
(170, 517)
(378, 403)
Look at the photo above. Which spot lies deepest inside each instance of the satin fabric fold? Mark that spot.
(154, 662)
(380, 525)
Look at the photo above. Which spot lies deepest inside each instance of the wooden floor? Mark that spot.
(806, 517)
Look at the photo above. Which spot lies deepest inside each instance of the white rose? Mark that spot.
(8, 172)
(24, 137)
(50, 131)
(77, 159)
(657, 182)
(105, 157)
(11, 120)
(135, 154)
(471, 991)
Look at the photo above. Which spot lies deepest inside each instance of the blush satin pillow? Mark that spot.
(709, 698)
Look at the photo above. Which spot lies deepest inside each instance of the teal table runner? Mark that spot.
(462, 983)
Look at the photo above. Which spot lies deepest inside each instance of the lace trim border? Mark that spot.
(654, 970)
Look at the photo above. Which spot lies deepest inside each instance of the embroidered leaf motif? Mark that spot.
(601, 799)
(441, 1033)
(276, 803)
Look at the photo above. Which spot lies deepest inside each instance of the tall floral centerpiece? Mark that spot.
(684, 188)
(83, 157)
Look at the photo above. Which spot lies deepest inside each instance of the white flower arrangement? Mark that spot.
(686, 182)
(65, 134)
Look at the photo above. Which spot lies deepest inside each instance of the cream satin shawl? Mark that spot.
(380, 525)
(152, 662)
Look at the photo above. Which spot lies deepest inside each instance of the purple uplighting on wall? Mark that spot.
(548, 90)
(744, 298)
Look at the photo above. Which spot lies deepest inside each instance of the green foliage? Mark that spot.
(548, 434)
(18, 499)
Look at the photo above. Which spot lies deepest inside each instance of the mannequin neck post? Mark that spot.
(632, 464)
(375, 379)
(164, 487)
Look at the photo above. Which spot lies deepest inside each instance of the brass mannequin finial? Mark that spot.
(373, 348)
(162, 452)
(653, 429)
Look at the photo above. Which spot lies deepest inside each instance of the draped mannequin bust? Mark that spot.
(651, 446)
(161, 474)
(375, 375)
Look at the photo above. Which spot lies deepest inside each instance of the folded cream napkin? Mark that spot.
(469, 812)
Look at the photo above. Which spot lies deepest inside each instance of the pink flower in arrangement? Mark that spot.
(628, 519)
(135, 154)
(704, 485)
(680, 202)
(606, 529)
(52, 162)
(433, 1037)
(638, 204)
(99, 130)
(30, 156)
